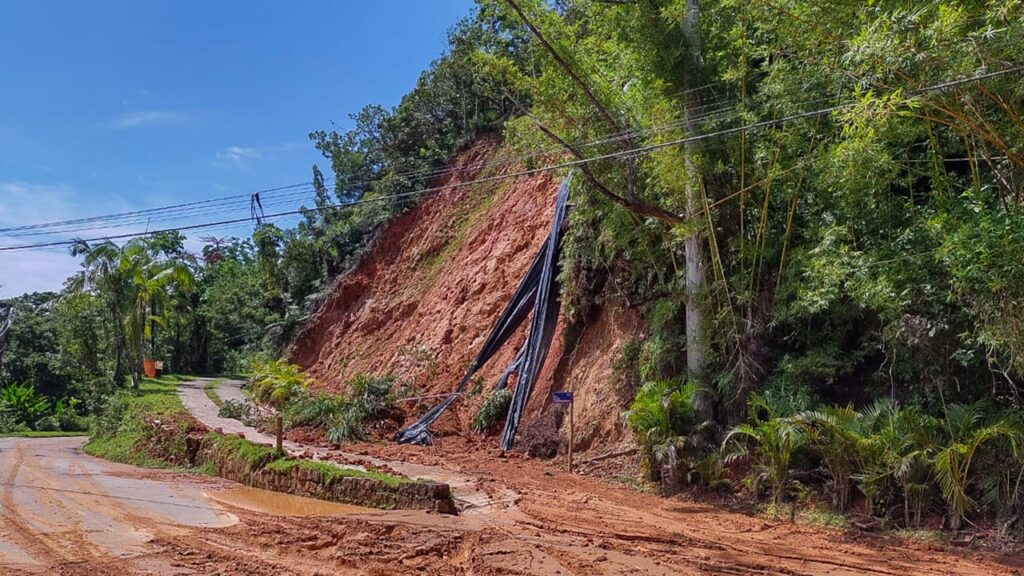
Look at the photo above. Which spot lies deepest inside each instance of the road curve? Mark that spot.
(60, 507)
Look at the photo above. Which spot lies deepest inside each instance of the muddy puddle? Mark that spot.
(281, 504)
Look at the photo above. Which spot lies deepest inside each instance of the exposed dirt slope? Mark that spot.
(427, 295)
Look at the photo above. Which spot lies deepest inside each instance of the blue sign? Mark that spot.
(561, 397)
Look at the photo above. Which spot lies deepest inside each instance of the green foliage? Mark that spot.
(329, 473)
(319, 410)
(237, 409)
(666, 418)
(251, 455)
(769, 447)
(277, 382)
(369, 400)
(120, 425)
(23, 404)
(969, 432)
(491, 412)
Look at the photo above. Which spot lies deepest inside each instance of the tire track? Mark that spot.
(22, 534)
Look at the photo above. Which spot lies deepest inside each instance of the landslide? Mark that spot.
(423, 301)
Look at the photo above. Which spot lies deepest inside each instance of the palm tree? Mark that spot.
(153, 280)
(899, 450)
(667, 419)
(102, 274)
(135, 281)
(840, 436)
(769, 445)
(968, 432)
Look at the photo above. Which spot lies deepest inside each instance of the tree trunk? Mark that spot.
(118, 345)
(152, 328)
(692, 243)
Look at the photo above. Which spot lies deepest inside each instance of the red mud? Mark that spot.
(419, 307)
(425, 298)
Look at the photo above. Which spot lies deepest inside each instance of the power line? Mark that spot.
(567, 164)
(202, 206)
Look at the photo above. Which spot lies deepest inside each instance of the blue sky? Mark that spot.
(119, 105)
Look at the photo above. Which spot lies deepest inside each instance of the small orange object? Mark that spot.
(149, 367)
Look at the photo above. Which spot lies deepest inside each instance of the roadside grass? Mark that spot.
(42, 434)
(257, 457)
(211, 392)
(329, 472)
(154, 396)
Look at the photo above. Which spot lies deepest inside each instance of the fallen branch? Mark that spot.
(610, 455)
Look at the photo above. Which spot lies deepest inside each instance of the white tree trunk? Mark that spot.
(692, 243)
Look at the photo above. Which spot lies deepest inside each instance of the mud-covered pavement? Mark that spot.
(61, 508)
(67, 513)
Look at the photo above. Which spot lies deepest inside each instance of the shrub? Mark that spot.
(320, 410)
(23, 403)
(491, 412)
(769, 446)
(369, 399)
(231, 408)
(7, 422)
(65, 412)
(110, 417)
(667, 423)
(47, 424)
(277, 382)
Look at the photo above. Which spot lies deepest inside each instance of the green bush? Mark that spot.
(491, 412)
(320, 410)
(369, 400)
(47, 424)
(277, 382)
(237, 409)
(109, 420)
(7, 422)
(23, 403)
(668, 423)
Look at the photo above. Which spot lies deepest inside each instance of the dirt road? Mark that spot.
(66, 513)
(60, 507)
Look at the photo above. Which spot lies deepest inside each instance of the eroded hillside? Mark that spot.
(424, 299)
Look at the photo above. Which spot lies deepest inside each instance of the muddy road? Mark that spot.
(64, 512)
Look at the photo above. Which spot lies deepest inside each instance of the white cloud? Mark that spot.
(34, 271)
(238, 155)
(144, 118)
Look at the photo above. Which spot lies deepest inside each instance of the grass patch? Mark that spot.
(253, 455)
(479, 203)
(923, 535)
(329, 472)
(120, 426)
(824, 515)
(41, 434)
(211, 392)
(256, 456)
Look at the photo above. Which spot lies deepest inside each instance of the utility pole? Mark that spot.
(692, 243)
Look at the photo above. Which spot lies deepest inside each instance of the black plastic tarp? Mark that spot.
(537, 293)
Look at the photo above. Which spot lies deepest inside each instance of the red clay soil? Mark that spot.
(559, 525)
(427, 295)
(419, 307)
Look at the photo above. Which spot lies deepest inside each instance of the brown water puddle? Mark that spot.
(281, 504)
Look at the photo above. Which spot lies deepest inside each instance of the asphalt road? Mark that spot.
(60, 507)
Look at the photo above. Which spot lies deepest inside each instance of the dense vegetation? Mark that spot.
(833, 301)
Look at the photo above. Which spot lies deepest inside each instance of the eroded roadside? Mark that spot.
(67, 513)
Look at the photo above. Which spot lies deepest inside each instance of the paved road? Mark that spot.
(60, 507)
(467, 490)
